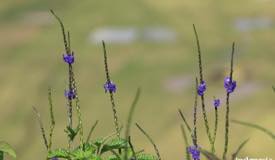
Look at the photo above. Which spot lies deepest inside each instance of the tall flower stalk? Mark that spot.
(110, 87)
(194, 134)
(71, 92)
(230, 86)
(202, 87)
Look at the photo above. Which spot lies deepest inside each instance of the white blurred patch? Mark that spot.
(124, 35)
(249, 24)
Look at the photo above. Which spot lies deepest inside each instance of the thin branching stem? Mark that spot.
(63, 31)
(227, 105)
(52, 124)
(215, 130)
(70, 72)
(111, 93)
(151, 140)
(41, 128)
(195, 137)
(77, 104)
(201, 81)
(69, 41)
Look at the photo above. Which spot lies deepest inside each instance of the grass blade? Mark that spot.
(184, 120)
(255, 126)
(185, 141)
(234, 155)
(150, 139)
(209, 155)
(91, 131)
(130, 118)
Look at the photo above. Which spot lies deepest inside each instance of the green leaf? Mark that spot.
(1, 155)
(72, 132)
(87, 153)
(144, 156)
(113, 157)
(59, 153)
(116, 143)
(234, 155)
(209, 155)
(6, 148)
(255, 126)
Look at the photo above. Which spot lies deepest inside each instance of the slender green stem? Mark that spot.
(185, 141)
(132, 148)
(195, 137)
(129, 120)
(215, 131)
(201, 80)
(91, 131)
(111, 93)
(41, 128)
(151, 140)
(184, 120)
(68, 51)
(77, 104)
(52, 125)
(228, 107)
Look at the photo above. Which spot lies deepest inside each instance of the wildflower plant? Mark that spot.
(116, 147)
(194, 150)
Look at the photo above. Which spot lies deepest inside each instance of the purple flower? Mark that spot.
(70, 94)
(68, 58)
(110, 86)
(54, 158)
(195, 152)
(216, 103)
(229, 84)
(202, 88)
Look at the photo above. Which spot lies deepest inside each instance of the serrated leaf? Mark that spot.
(116, 143)
(6, 148)
(113, 157)
(143, 156)
(209, 155)
(59, 153)
(80, 154)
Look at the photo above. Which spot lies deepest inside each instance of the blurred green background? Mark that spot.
(31, 60)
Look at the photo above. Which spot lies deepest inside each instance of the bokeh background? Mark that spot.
(150, 45)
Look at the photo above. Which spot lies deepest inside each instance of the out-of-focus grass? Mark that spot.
(31, 61)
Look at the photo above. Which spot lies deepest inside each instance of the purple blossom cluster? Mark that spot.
(229, 84)
(110, 87)
(68, 58)
(195, 152)
(202, 88)
(217, 103)
(70, 94)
